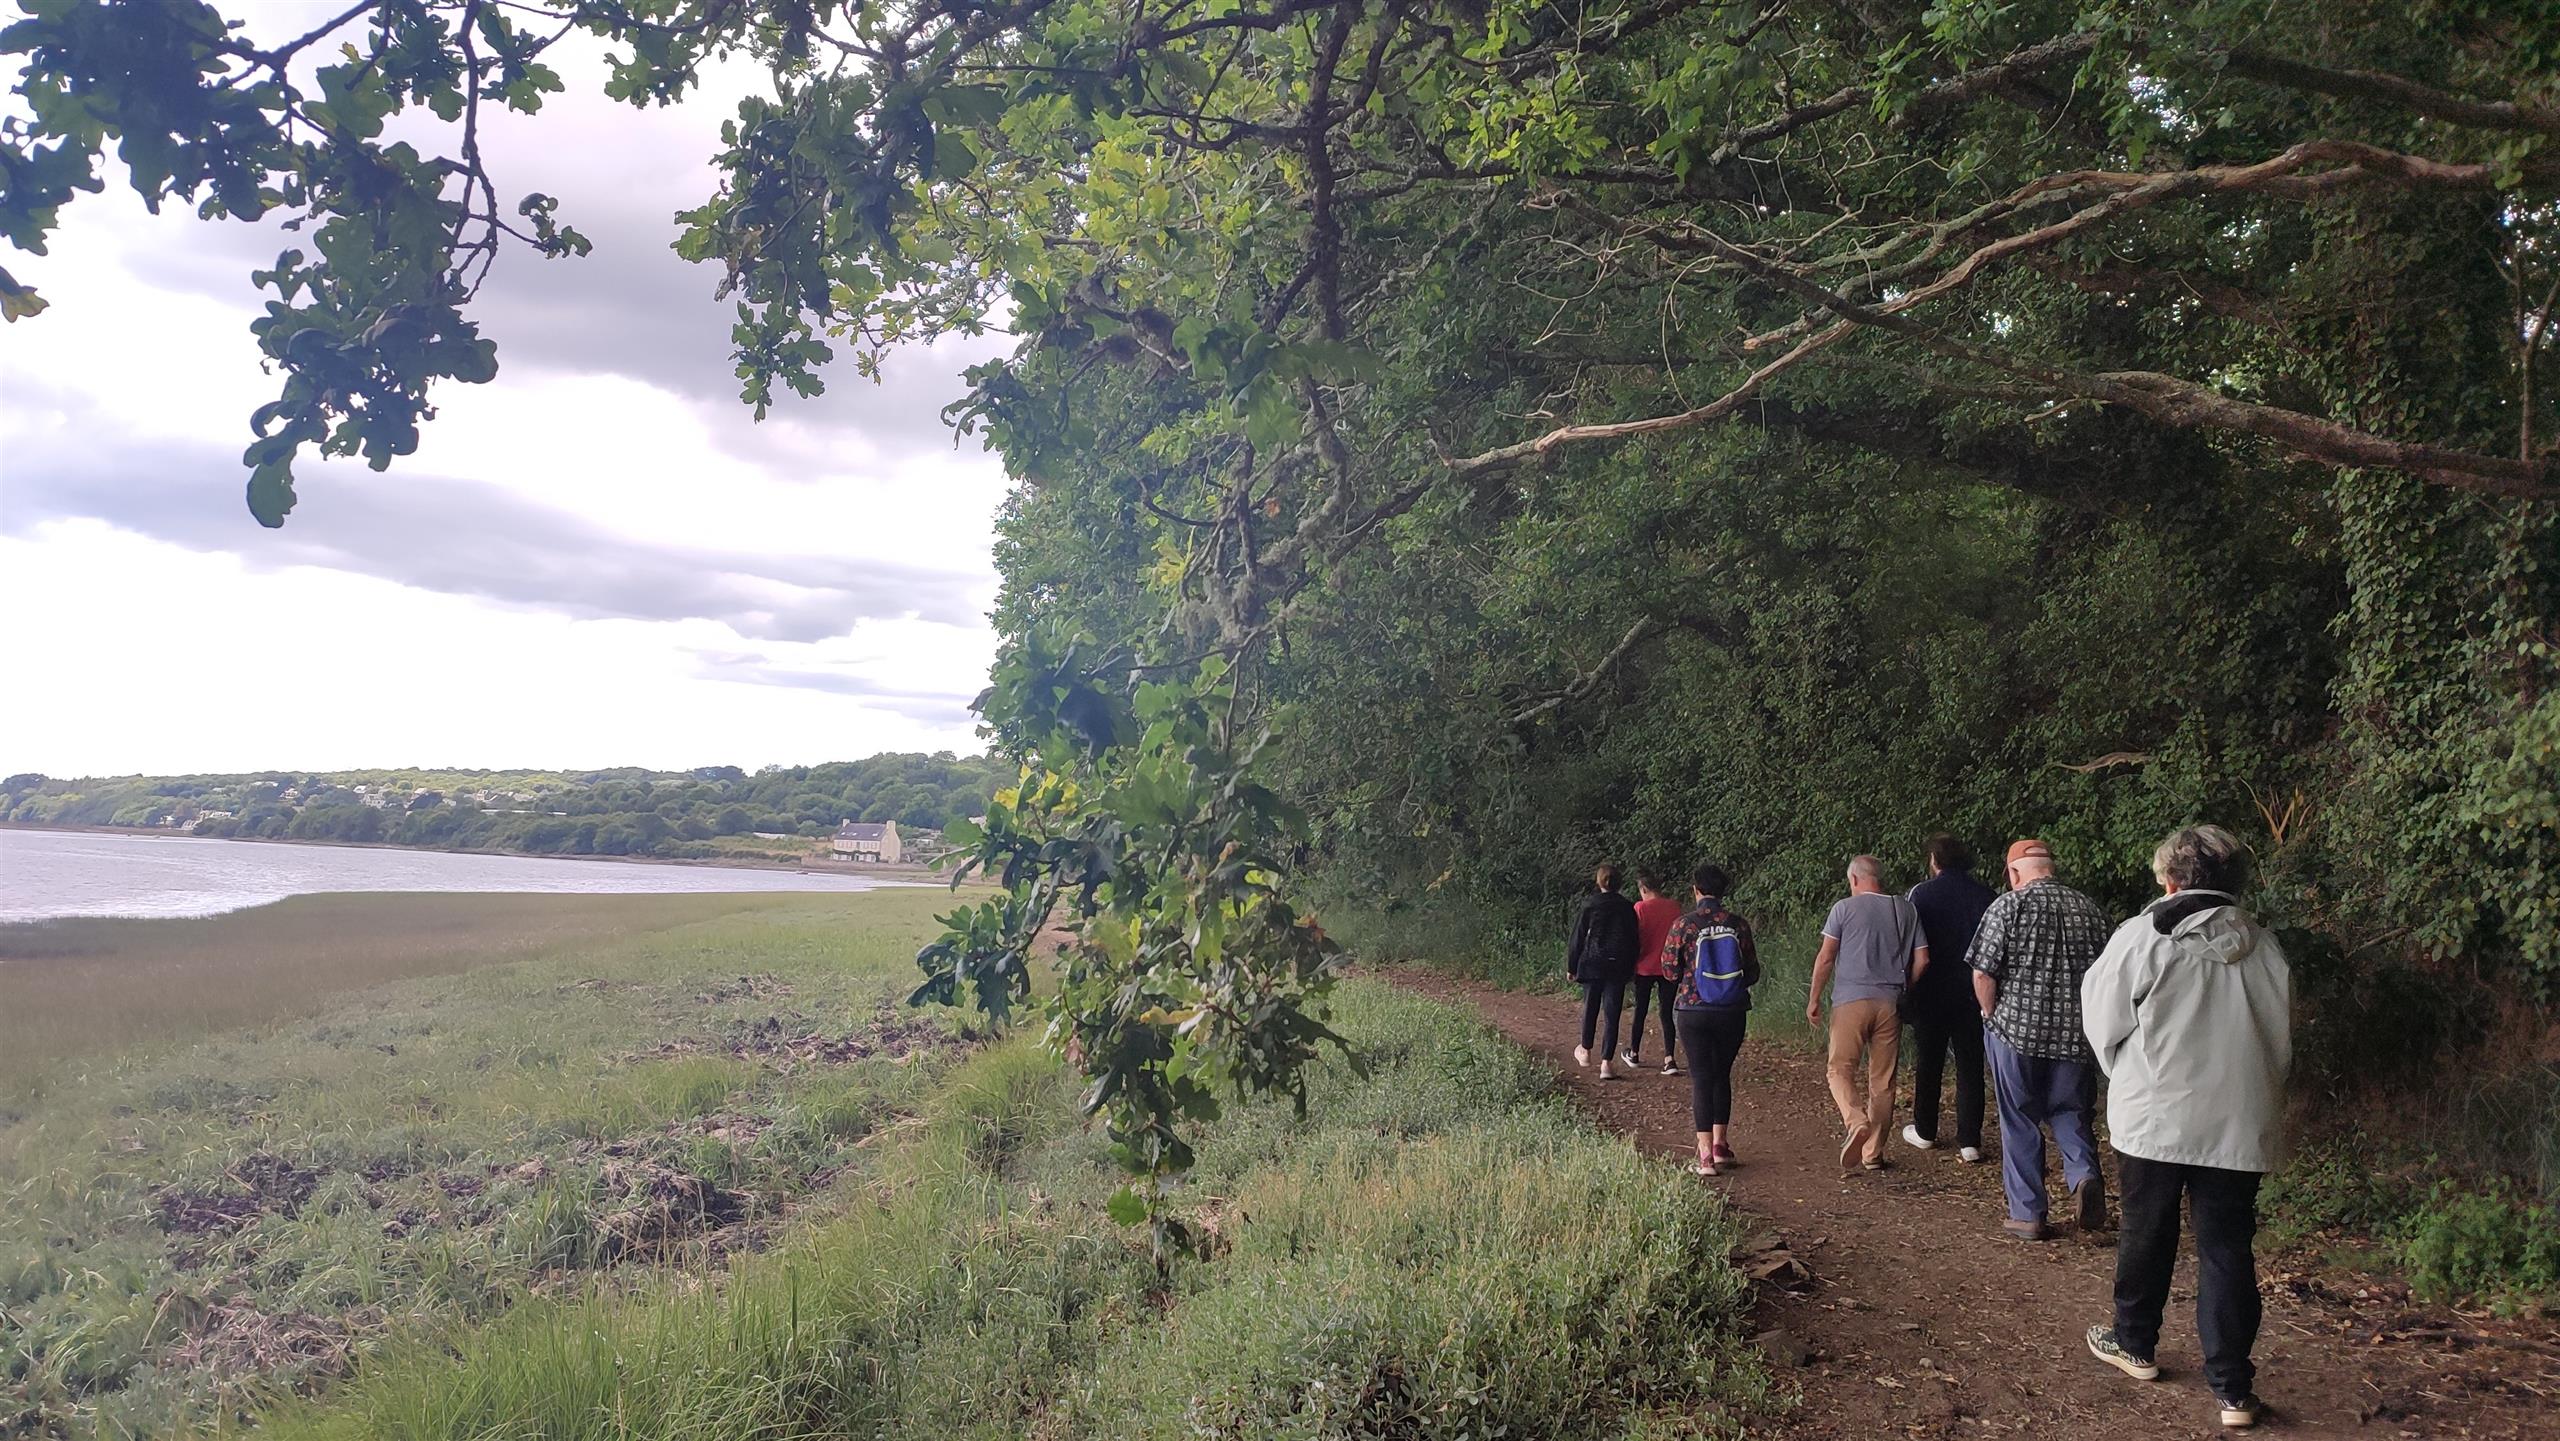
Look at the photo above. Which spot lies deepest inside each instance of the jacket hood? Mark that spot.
(2208, 925)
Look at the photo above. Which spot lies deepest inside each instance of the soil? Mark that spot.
(1899, 1306)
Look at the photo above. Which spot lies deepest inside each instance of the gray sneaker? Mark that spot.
(2104, 1346)
(2242, 1414)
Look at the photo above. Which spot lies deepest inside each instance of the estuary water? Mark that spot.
(84, 873)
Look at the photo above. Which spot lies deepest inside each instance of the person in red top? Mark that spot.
(1655, 914)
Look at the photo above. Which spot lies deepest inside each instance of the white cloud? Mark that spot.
(128, 654)
(599, 559)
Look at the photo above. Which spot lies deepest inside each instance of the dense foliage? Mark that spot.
(708, 811)
(1757, 428)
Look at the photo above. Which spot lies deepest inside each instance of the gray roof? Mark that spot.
(862, 831)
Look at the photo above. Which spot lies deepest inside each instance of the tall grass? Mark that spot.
(1440, 1250)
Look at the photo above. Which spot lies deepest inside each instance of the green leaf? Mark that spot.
(1127, 1207)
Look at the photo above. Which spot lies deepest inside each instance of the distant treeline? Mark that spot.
(709, 811)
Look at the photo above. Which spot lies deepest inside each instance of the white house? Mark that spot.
(868, 841)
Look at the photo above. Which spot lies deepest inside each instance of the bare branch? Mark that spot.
(1585, 682)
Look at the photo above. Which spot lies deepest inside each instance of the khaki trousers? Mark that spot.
(1875, 1027)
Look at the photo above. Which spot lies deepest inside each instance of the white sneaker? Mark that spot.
(1911, 1137)
(1604, 1070)
(1970, 1155)
(1582, 1055)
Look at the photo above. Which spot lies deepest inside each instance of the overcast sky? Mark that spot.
(598, 559)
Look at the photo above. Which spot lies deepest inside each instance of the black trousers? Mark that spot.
(1932, 1038)
(1711, 1037)
(1648, 990)
(2224, 1205)
(1599, 997)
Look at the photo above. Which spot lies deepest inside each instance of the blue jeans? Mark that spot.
(2036, 1092)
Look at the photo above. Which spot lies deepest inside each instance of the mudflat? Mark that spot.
(82, 987)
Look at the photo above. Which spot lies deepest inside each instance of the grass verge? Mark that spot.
(1392, 1265)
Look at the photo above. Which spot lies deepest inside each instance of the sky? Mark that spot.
(599, 559)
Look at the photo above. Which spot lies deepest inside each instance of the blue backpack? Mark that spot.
(1715, 968)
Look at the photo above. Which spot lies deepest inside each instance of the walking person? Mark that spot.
(1714, 964)
(1940, 1007)
(2036, 940)
(2189, 1010)
(1601, 954)
(1655, 915)
(1871, 949)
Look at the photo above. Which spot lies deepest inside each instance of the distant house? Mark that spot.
(868, 841)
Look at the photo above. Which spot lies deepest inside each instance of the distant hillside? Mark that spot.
(710, 812)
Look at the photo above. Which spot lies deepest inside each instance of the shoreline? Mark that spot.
(899, 872)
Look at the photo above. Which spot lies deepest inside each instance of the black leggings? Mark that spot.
(1712, 1037)
(1597, 997)
(1932, 1037)
(1646, 987)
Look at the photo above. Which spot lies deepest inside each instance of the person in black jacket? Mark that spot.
(1601, 955)
(1944, 1014)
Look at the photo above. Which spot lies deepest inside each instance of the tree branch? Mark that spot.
(1585, 682)
(2409, 94)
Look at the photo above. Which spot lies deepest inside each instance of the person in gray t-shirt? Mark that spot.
(1872, 947)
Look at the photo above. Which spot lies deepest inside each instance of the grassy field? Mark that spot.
(613, 1082)
(1409, 1261)
(74, 990)
(681, 1170)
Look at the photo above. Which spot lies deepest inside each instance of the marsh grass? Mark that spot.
(1389, 1266)
(571, 1193)
(191, 1222)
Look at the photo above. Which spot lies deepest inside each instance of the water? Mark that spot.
(81, 873)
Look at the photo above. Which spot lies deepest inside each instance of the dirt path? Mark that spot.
(1926, 1321)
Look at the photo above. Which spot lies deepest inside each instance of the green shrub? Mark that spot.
(2480, 1242)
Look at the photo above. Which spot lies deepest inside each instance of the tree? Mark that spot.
(2106, 412)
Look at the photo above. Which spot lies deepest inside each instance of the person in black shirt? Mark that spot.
(1601, 954)
(1940, 1006)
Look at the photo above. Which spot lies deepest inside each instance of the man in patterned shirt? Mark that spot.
(2035, 942)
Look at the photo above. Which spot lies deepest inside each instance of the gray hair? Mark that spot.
(2202, 858)
(1867, 866)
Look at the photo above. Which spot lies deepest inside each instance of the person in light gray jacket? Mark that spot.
(2189, 1009)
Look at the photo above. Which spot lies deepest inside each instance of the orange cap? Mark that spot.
(2029, 850)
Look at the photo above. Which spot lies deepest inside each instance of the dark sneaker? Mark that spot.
(2089, 1205)
(1634, 1061)
(2244, 1413)
(2103, 1345)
